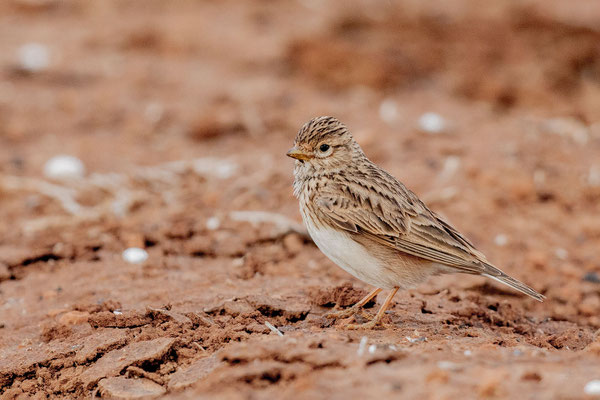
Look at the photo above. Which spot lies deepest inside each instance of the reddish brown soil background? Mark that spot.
(182, 112)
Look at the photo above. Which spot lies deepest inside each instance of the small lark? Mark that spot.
(370, 224)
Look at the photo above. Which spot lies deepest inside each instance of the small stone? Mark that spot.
(34, 57)
(592, 387)
(213, 223)
(594, 176)
(388, 111)
(74, 318)
(135, 255)
(448, 365)
(561, 253)
(154, 112)
(124, 388)
(501, 240)
(539, 177)
(591, 277)
(432, 123)
(568, 127)
(64, 167)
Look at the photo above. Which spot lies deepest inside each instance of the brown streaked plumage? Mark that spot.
(370, 224)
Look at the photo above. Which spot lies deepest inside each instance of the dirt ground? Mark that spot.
(182, 112)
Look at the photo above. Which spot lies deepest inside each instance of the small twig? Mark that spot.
(273, 329)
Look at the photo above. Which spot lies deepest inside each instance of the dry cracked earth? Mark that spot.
(182, 112)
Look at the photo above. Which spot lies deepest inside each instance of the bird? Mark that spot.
(371, 225)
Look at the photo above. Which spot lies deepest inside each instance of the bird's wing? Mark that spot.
(395, 217)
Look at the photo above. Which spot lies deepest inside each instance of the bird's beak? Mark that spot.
(298, 154)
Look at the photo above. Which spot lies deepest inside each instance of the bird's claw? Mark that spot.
(341, 314)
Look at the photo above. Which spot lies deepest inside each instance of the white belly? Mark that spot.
(350, 255)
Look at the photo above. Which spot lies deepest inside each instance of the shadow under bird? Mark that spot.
(370, 224)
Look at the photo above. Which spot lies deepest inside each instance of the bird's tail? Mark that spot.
(496, 274)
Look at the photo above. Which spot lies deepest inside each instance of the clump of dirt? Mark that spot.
(342, 296)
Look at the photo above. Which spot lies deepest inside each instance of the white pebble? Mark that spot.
(135, 255)
(592, 387)
(214, 167)
(568, 127)
(213, 223)
(468, 353)
(451, 166)
(372, 349)
(388, 111)
(594, 176)
(34, 57)
(64, 167)
(501, 240)
(561, 253)
(431, 122)
(117, 312)
(539, 177)
(447, 365)
(237, 262)
(154, 112)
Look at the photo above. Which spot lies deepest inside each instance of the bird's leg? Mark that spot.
(373, 323)
(355, 308)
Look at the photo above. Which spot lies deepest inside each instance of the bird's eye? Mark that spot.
(324, 147)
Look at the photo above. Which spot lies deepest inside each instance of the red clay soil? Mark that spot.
(182, 113)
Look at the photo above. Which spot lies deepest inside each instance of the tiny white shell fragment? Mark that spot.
(372, 349)
(431, 122)
(468, 353)
(64, 167)
(592, 387)
(34, 57)
(135, 255)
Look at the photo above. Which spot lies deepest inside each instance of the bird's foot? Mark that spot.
(372, 324)
(348, 312)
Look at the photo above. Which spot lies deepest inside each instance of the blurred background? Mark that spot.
(163, 126)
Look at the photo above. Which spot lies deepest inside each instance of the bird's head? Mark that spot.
(324, 143)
